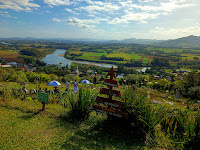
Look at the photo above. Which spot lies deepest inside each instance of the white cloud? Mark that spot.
(102, 19)
(77, 23)
(94, 2)
(18, 5)
(71, 11)
(6, 14)
(165, 6)
(57, 2)
(117, 20)
(107, 7)
(56, 20)
(159, 28)
(180, 32)
(83, 24)
(3, 12)
(140, 16)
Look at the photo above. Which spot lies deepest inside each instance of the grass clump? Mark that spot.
(81, 104)
(8, 92)
(143, 114)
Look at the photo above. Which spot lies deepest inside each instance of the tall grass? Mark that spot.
(8, 92)
(183, 126)
(81, 104)
(143, 113)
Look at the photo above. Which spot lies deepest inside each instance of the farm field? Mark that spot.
(171, 50)
(166, 50)
(10, 56)
(125, 55)
(189, 56)
(93, 56)
(137, 56)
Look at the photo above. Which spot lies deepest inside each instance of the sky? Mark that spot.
(100, 19)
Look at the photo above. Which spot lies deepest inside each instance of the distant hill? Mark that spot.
(140, 41)
(184, 42)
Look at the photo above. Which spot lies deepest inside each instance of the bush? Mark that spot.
(81, 104)
(143, 114)
(10, 92)
(194, 93)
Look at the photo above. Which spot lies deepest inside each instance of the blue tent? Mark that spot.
(53, 83)
(85, 81)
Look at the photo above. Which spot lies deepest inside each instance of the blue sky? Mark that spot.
(100, 19)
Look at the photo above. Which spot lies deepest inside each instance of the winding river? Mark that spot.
(55, 59)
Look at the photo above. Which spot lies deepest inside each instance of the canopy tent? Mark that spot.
(53, 83)
(85, 81)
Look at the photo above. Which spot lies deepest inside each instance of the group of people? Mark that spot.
(68, 84)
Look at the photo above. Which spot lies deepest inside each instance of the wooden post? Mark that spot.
(110, 106)
(43, 106)
(44, 98)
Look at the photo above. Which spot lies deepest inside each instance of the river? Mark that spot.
(6, 43)
(55, 59)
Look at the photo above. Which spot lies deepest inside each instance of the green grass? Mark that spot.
(88, 55)
(189, 56)
(92, 56)
(166, 50)
(23, 126)
(145, 60)
(125, 55)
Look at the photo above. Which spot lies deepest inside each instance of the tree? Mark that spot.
(60, 64)
(53, 77)
(160, 62)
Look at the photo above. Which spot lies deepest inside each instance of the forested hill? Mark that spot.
(140, 41)
(184, 42)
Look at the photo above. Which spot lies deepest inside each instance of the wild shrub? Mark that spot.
(143, 113)
(81, 104)
(183, 126)
(193, 141)
(194, 92)
(173, 123)
(8, 92)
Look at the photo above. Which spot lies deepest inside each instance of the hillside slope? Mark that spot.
(184, 42)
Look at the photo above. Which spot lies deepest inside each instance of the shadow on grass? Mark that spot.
(26, 117)
(17, 108)
(107, 134)
(31, 113)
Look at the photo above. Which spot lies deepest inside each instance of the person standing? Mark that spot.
(67, 86)
(75, 87)
(95, 80)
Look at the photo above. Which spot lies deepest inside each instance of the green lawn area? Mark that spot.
(88, 55)
(125, 55)
(166, 50)
(23, 126)
(189, 56)
(145, 60)
(91, 55)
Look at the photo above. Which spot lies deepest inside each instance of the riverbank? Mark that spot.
(57, 57)
(62, 55)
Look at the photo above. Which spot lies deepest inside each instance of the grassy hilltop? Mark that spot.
(70, 123)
